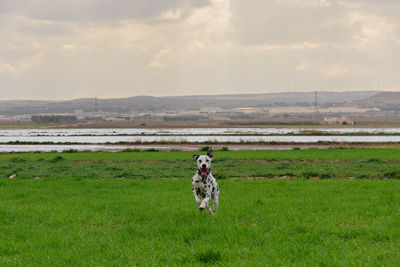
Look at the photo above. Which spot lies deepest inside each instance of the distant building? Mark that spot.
(114, 119)
(220, 118)
(247, 110)
(338, 121)
(5, 118)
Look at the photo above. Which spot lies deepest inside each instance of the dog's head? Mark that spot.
(204, 163)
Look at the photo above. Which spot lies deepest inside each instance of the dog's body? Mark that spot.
(204, 185)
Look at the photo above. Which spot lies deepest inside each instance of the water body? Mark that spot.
(197, 139)
(139, 131)
(190, 131)
(59, 148)
(108, 139)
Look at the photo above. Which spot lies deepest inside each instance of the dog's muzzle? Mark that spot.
(203, 172)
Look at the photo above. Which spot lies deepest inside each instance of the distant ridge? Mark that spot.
(155, 104)
(381, 98)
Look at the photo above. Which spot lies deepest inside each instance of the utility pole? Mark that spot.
(316, 99)
(95, 104)
(316, 112)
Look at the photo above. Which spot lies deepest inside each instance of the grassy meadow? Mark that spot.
(311, 163)
(113, 209)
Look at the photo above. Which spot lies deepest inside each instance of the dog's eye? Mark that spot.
(199, 161)
(207, 160)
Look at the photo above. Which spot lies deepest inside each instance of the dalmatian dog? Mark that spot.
(204, 185)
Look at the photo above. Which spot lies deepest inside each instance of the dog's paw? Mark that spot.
(202, 206)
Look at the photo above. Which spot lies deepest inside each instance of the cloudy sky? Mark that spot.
(53, 49)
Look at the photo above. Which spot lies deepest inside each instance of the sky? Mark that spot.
(53, 49)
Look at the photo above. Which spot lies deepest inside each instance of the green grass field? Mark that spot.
(310, 163)
(82, 213)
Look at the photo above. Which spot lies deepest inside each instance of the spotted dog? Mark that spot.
(204, 185)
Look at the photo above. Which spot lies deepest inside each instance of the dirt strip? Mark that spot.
(186, 147)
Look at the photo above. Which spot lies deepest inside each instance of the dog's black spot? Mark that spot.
(197, 181)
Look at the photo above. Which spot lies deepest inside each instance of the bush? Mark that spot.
(205, 148)
(130, 150)
(373, 160)
(220, 176)
(17, 160)
(310, 174)
(70, 151)
(390, 175)
(152, 150)
(263, 174)
(224, 148)
(287, 174)
(124, 174)
(325, 176)
(56, 159)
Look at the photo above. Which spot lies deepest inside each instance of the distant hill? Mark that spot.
(155, 104)
(381, 98)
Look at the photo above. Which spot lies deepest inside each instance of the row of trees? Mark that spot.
(53, 118)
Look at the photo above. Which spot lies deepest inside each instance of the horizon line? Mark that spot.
(192, 95)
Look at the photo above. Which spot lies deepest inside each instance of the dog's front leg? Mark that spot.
(209, 209)
(204, 203)
(196, 194)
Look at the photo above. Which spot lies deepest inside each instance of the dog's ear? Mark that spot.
(210, 152)
(195, 157)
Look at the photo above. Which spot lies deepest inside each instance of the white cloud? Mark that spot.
(18, 67)
(333, 69)
(373, 28)
(178, 47)
(284, 47)
(160, 59)
(172, 14)
(68, 47)
(93, 10)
